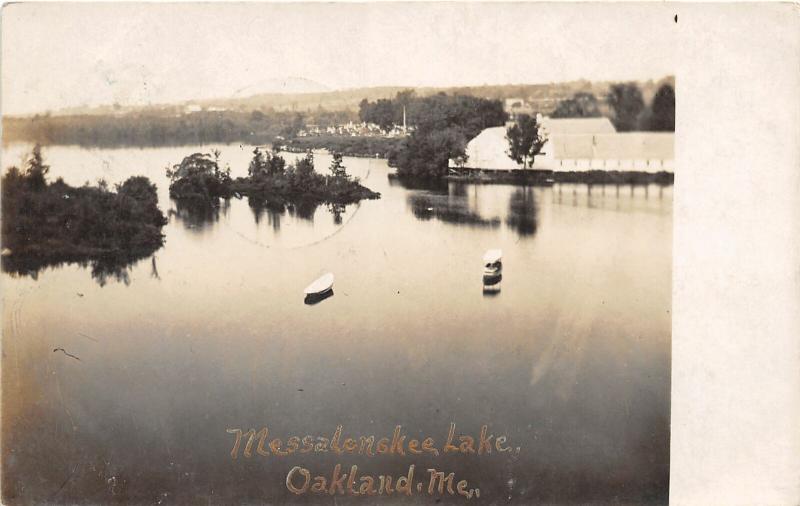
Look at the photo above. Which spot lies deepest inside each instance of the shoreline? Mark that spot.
(550, 178)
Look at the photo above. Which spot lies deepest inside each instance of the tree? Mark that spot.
(36, 170)
(296, 123)
(266, 163)
(258, 165)
(382, 114)
(139, 188)
(364, 110)
(426, 154)
(305, 165)
(199, 180)
(337, 168)
(199, 164)
(663, 110)
(525, 140)
(403, 100)
(581, 105)
(627, 102)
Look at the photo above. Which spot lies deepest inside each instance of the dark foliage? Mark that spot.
(525, 140)
(426, 155)
(266, 163)
(198, 182)
(381, 112)
(388, 112)
(581, 105)
(442, 126)
(294, 125)
(301, 184)
(337, 168)
(49, 223)
(627, 103)
(662, 115)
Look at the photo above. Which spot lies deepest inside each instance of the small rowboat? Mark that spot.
(321, 286)
(492, 263)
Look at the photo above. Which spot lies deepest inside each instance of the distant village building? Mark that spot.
(351, 129)
(192, 108)
(575, 145)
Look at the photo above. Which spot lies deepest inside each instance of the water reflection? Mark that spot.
(103, 269)
(651, 198)
(304, 210)
(154, 269)
(449, 209)
(462, 207)
(336, 210)
(273, 210)
(522, 211)
(433, 185)
(199, 217)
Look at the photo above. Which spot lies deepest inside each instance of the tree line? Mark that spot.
(627, 108)
(167, 129)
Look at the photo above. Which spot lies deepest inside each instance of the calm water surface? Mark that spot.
(568, 356)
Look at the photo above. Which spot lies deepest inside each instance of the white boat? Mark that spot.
(322, 285)
(492, 262)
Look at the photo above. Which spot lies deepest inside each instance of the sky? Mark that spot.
(59, 55)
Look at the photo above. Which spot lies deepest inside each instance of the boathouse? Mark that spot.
(575, 144)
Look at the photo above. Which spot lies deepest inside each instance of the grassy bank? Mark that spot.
(348, 146)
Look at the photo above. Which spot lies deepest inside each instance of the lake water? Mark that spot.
(568, 356)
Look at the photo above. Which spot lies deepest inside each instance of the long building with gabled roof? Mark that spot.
(576, 144)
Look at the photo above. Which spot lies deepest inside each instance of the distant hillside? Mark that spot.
(544, 97)
(288, 85)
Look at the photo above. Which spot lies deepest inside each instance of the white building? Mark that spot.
(575, 145)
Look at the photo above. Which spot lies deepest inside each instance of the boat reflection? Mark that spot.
(315, 298)
(491, 284)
